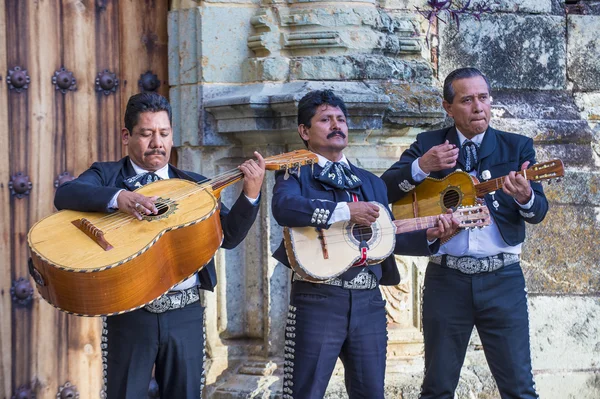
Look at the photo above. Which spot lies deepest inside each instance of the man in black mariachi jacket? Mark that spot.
(343, 317)
(476, 278)
(168, 332)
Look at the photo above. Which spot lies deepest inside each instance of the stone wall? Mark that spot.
(237, 69)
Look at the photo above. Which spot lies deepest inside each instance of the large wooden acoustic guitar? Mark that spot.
(319, 255)
(101, 264)
(435, 196)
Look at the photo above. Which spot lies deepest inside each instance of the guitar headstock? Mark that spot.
(546, 170)
(291, 160)
(473, 216)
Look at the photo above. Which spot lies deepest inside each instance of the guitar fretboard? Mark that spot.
(406, 225)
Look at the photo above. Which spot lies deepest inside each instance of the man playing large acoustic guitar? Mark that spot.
(343, 317)
(169, 331)
(476, 278)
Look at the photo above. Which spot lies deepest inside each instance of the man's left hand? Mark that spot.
(517, 186)
(447, 225)
(254, 173)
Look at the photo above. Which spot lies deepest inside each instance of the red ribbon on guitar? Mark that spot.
(363, 251)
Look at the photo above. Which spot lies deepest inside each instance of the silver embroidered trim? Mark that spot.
(174, 300)
(320, 216)
(363, 281)
(406, 186)
(470, 265)
(289, 354)
(104, 352)
(527, 215)
(203, 377)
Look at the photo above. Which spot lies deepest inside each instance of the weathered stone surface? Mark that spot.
(569, 385)
(224, 40)
(516, 6)
(514, 51)
(537, 104)
(589, 106)
(414, 105)
(561, 255)
(266, 69)
(565, 333)
(583, 50)
(184, 47)
(359, 67)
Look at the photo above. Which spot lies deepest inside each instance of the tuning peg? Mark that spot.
(558, 180)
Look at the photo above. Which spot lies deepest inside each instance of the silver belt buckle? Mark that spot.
(159, 305)
(467, 265)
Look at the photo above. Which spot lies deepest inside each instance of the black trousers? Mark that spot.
(496, 303)
(326, 322)
(134, 342)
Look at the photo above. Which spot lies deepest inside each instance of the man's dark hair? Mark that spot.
(462, 73)
(307, 107)
(144, 102)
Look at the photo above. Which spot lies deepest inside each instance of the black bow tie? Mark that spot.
(140, 180)
(338, 175)
(469, 155)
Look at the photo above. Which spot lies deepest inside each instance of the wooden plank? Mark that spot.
(5, 217)
(79, 151)
(48, 352)
(108, 106)
(17, 40)
(143, 46)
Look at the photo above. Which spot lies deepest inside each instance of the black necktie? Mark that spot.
(338, 175)
(469, 155)
(140, 180)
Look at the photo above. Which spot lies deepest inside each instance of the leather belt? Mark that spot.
(363, 281)
(174, 300)
(471, 265)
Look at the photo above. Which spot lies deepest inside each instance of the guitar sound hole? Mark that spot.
(165, 208)
(451, 199)
(162, 207)
(362, 233)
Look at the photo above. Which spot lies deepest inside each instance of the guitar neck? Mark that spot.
(495, 184)
(407, 225)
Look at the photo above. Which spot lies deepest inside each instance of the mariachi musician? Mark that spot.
(345, 316)
(169, 331)
(476, 278)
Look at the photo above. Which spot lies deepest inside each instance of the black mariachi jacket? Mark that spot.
(94, 188)
(500, 153)
(302, 201)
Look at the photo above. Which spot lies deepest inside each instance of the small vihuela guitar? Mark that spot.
(108, 263)
(435, 196)
(318, 255)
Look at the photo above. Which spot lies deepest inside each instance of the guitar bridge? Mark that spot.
(93, 232)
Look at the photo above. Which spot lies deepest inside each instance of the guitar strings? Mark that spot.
(118, 219)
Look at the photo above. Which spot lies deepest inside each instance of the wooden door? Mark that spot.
(51, 129)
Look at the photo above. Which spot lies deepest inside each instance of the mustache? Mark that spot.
(156, 152)
(332, 134)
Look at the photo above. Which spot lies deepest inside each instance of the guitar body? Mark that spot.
(436, 196)
(148, 257)
(316, 262)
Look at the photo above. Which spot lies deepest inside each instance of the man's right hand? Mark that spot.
(363, 213)
(439, 157)
(136, 204)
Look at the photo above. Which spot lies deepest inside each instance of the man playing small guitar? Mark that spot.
(475, 279)
(168, 331)
(345, 316)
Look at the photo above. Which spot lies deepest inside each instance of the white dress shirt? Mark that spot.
(477, 242)
(341, 213)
